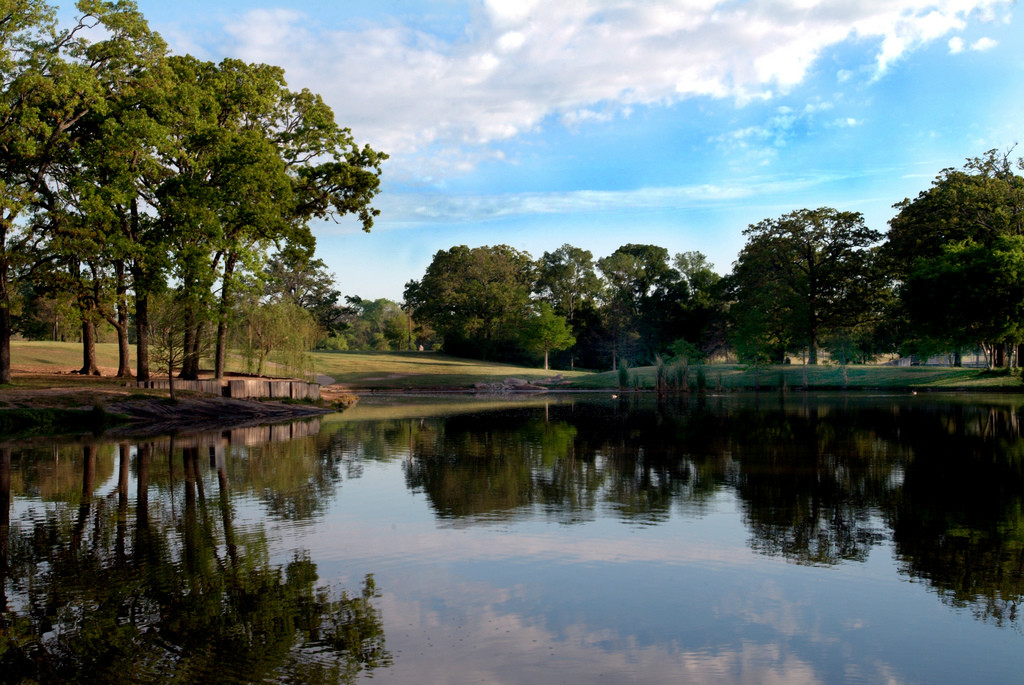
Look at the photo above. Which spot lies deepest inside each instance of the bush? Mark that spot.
(335, 343)
(623, 374)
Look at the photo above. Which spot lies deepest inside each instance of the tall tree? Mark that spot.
(254, 163)
(44, 91)
(642, 300)
(475, 298)
(980, 202)
(547, 331)
(704, 310)
(960, 231)
(566, 278)
(815, 268)
(294, 274)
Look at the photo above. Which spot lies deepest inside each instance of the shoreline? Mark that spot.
(53, 404)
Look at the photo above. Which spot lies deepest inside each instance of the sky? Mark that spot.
(599, 123)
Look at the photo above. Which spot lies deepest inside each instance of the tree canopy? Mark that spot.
(955, 252)
(128, 170)
(808, 274)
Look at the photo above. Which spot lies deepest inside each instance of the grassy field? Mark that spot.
(421, 371)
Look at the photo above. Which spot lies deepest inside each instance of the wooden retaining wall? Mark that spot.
(243, 389)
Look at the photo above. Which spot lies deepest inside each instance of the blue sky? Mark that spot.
(599, 123)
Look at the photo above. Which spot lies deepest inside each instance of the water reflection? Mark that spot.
(820, 481)
(98, 588)
(720, 538)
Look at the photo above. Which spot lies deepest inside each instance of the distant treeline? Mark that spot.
(168, 200)
(948, 276)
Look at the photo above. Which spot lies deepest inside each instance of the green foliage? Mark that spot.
(295, 275)
(379, 324)
(567, 280)
(957, 247)
(279, 335)
(547, 331)
(476, 299)
(124, 166)
(801, 277)
(643, 299)
(687, 352)
(623, 374)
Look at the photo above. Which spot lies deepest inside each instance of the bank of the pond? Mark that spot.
(26, 422)
(140, 416)
(58, 404)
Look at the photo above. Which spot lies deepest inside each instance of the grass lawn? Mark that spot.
(424, 370)
(421, 370)
(429, 370)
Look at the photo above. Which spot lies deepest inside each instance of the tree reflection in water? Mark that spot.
(160, 583)
(175, 594)
(821, 481)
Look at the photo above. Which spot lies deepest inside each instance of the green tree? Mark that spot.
(282, 333)
(971, 294)
(566, 278)
(294, 274)
(476, 299)
(94, 211)
(547, 331)
(49, 81)
(253, 163)
(970, 213)
(703, 319)
(379, 324)
(805, 276)
(643, 300)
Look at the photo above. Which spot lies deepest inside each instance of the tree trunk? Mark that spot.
(141, 336)
(5, 313)
(170, 366)
(190, 362)
(194, 360)
(222, 319)
(89, 367)
(5, 337)
(545, 360)
(142, 284)
(124, 361)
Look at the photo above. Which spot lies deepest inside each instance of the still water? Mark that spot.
(820, 539)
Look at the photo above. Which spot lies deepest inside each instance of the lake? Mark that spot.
(557, 539)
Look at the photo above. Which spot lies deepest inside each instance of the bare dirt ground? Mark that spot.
(45, 388)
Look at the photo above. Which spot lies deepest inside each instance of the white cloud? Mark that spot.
(958, 45)
(984, 44)
(418, 208)
(521, 63)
